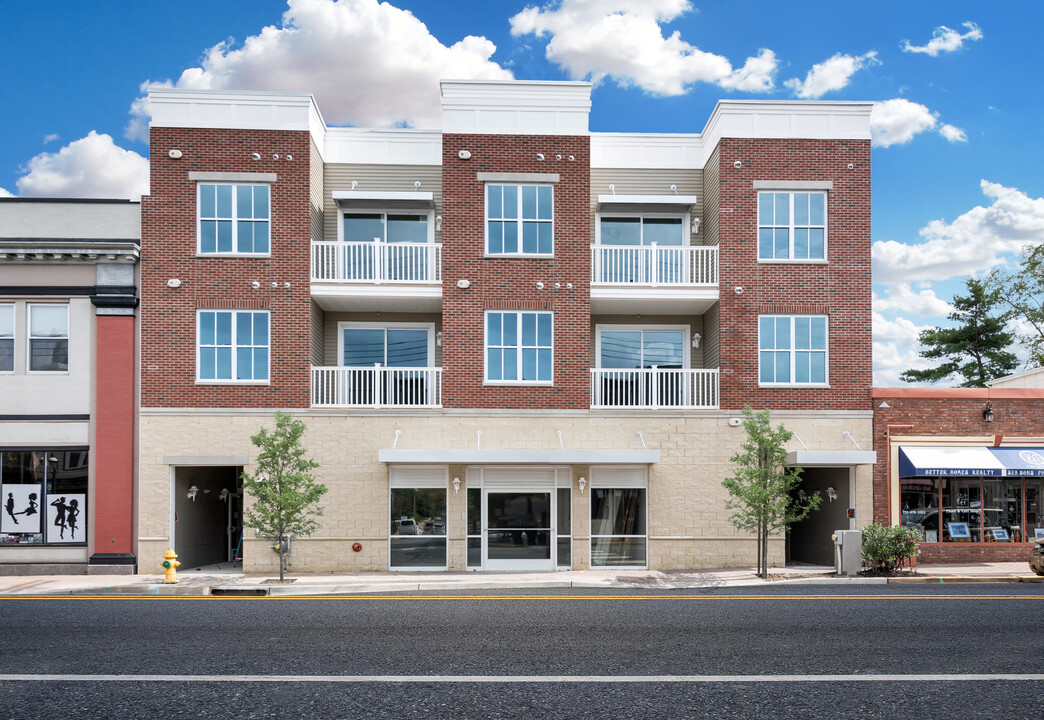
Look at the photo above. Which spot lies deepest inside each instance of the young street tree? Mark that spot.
(285, 492)
(976, 349)
(1023, 294)
(760, 490)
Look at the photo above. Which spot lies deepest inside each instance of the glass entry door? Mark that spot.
(519, 535)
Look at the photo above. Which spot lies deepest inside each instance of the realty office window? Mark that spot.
(519, 219)
(48, 338)
(6, 338)
(791, 226)
(792, 349)
(519, 347)
(233, 219)
(232, 345)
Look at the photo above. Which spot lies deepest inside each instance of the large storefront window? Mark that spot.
(973, 509)
(418, 528)
(43, 497)
(618, 535)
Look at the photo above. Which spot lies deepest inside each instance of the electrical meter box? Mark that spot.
(848, 552)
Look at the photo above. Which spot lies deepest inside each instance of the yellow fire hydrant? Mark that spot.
(170, 564)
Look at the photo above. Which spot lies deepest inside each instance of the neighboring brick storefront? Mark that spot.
(511, 283)
(948, 418)
(838, 288)
(168, 226)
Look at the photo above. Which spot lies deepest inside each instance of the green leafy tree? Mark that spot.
(975, 349)
(760, 489)
(1023, 295)
(284, 490)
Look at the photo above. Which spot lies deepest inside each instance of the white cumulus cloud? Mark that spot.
(831, 74)
(91, 167)
(953, 133)
(5, 193)
(623, 40)
(897, 121)
(945, 39)
(896, 349)
(978, 240)
(901, 298)
(367, 63)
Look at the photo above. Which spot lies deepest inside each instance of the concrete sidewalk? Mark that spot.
(193, 583)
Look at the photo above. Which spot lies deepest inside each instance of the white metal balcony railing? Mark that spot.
(377, 262)
(654, 389)
(377, 387)
(652, 265)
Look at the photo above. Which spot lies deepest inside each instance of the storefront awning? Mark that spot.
(831, 458)
(970, 462)
(519, 457)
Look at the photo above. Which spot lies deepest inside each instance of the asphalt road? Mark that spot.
(539, 654)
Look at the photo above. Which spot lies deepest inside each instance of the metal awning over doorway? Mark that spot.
(831, 458)
(495, 456)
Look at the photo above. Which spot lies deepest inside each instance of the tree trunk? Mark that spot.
(282, 561)
(764, 550)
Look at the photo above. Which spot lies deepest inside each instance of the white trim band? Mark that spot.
(232, 177)
(793, 184)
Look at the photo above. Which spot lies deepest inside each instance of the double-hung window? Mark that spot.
(6, 338)
(232, 345)
(791, 226)
(519, 219)
(519, 347)
(233, 219)
(48, 338)
(792, 349)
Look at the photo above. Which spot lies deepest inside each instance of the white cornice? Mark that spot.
(365, 146)
(512, 107)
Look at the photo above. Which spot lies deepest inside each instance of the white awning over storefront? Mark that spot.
(831, 458)
(518, 457)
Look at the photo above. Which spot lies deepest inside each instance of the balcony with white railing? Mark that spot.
(377, 387)
(361, 275)
(652, 278)
(654, 389)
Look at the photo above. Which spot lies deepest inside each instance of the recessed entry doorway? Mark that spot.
(810, 540)
(207, 525)
(519, 519)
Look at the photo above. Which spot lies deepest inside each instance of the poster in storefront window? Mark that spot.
(65, 518)
(959, 530)
(21, 508)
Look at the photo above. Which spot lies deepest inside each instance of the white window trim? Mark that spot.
(13, 338)
(686, 220)
(826, 364)
(519, 219)
(686, 331)
(235, 218)
(413, 478)
(485, 351)
(638, 480)
(791, 191)
(429, 327)
(233, 380)
(29, 339)
(343, 213)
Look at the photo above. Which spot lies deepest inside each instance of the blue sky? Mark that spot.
(957, 181)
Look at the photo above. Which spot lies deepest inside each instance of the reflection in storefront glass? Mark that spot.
(974, 510)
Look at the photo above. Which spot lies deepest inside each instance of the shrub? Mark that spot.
(889, 547)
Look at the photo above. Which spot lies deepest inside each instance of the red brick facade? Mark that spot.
(511, 283)
(168, 232)
(839, 288)
(953, 413)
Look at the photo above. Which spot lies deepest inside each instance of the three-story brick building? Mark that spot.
(517, 344)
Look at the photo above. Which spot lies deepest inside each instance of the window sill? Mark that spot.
(232, 382)
(233, 255)
(518, 383)
(519, 256)
(43, 372)
(764, 261)
(799, 386)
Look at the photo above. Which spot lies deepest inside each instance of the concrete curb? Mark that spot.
(961, 579)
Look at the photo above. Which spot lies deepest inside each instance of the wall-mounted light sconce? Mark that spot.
(223, 495)
(478, 439)
(695, 225)
(831, 494)
(192, 492)
(802, 497)
(438, 338)
(988, 413)
(456, 485)
(582, 482)
(438, 223)
(696, 340)
(540, 157)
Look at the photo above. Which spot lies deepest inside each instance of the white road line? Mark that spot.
(391, 679)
